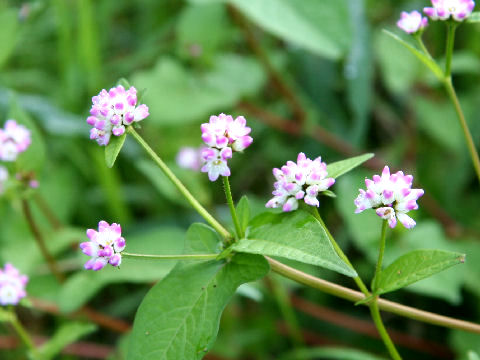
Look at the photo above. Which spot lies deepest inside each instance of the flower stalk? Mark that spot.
(231, 205)
(170, 257)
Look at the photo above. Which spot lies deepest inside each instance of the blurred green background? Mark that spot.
(317, 76)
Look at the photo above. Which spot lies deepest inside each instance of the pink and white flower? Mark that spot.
(459, 10)
(105, 246)
(12, 285)
(412, 22)
(215, 162)
(222, 132)
(302, 180)
(113, 110)
(14, 139)
(3, 178)
(392, 197)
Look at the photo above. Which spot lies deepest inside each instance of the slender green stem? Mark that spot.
(171, 176)
(361, 285)
(231, 205)
(377, 319)
(23, 335)
(170, 257)
(463, 123)
(418, 37)
(451, 27)
(378, 268)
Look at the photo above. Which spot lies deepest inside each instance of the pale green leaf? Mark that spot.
(65, 335)
(8, 35)
(415, 266)
(113, 149)
(471, 354)
(425, 59)
(243, 212)
(5, 315)
(315, 25)
(179, 318)
(341, 167)
(296, 236)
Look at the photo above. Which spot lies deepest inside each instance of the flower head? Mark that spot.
(113, 110)
(3, 178)
(105, 246)
(459, 10)
(223, 135)
(412, 22)
(14, 139)
(302, 180)
(189, 158)
(12, 285)
(391, 196)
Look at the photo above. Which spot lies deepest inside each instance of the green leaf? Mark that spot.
(330, 353)
(9, 33)
(67, 334)
(113, 149)
(5, 315)
(415, 266)
(429, 62)
(474, 17)
(243, 212)
(179, 318)
(339, 168)
(296, 236)
(317, 26)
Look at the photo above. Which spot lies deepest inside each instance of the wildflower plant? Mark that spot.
(180, 315)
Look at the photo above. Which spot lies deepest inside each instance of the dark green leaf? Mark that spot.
(415, 266)
(243, 212)
(179, 317)
(296, 236)
(113, 149)
(339, 168)
(65, 335)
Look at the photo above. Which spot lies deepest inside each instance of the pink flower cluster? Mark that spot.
(412, 22)
(391, 196)
(113, 110)
(14, 139)
(459, 10)
(304, 179)
(3, 178)
(223, 136)
(12, 285)
(105, 246)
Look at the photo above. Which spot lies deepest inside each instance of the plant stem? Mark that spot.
(355, 296)
(463, 123)
(23, 335)
(171, 176)
(231, 205)
(170, 257)
(52, 265)
(378, 268)
(451, 27)
(377, 319)
(361, 285)
(418, 37)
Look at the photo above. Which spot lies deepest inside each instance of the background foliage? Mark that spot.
(316, 76)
